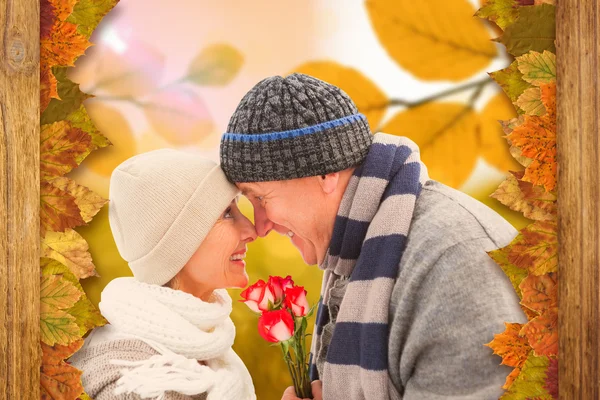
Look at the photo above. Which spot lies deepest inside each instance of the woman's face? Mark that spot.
(219, 261)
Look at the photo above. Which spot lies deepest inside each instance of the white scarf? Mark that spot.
(183, 330)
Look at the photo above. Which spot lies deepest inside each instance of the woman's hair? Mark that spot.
(173, 283)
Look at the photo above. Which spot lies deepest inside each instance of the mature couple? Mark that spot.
(409, 294)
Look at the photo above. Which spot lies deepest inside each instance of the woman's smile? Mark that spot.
(238, 258)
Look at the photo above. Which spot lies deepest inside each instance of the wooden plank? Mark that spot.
(19, 199)
(578, 73)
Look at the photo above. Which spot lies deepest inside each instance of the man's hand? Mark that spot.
(317, 391)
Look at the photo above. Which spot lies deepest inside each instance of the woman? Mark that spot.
(175, 219)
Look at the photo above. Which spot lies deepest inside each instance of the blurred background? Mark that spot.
(169, 74)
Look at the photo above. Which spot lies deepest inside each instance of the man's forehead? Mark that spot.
(249, 188)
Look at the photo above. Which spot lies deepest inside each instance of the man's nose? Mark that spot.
(263, 224)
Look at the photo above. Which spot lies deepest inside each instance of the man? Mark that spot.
(409, 294)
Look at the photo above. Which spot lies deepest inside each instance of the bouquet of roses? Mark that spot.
(284, 311)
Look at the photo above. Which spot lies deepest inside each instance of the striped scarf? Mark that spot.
(367, 243)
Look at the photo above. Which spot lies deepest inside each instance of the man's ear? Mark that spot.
(329, 182)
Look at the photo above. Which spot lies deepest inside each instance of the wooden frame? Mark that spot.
(20, 200)
(578, 114)
(578, 56)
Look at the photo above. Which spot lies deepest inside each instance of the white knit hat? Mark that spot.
(161, 206)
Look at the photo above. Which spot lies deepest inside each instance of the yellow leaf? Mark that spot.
(533, 201)
(89, 203)
(70, 249)
(369, 99)
(502, 12)
(116, 128)
(529, 384)
(57, 293)
(61, 146)
(530, 101)
(511, 80)
(494, 147)
(446, 134)
(86, 315)
(435, 39)
(538, 68)
(216, 65)
(56, 326)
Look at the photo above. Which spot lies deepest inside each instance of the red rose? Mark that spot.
(295, 300)
(258, 296)
(278, 286)
(276, 326)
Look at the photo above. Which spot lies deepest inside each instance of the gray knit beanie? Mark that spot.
(162, 204)
(293, 127)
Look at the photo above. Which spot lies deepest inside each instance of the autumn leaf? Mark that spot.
(63, 46)
(87, 202)
(530, 102)
(70, 249)
(508, 127)
(515, 274)
(446, 134)
(433, 40)
(533, 201)
(63, 8)
(510, 346)
(47, 18)
(494, 147)
(84, 396)
(530, 381)
(81, 119)
(536, 138)
(87, 14)
(511, 378)
(71, 98)
(57, 293)
(538, 68)
(57, 326)
(61, 145)
(117, 129)
(535, 248)
(540, 292)
(534, 30)
(86, 315)
(58, 209)
(511, 81)
(59, 380)
(369, 99)
(216, 65)
(179, 115)
(501, 12)
(551, 383)
(48, 88)
(542, 333)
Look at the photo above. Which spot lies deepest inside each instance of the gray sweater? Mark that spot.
(450, 298)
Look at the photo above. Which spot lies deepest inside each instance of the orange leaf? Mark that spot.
(535, 248)
(63, 46)
(511, 378)
(540, 293)
(48, 88)
(536, 138)
(58, 210)
(47, 18)
(542, 333)
(88, 202)
(533, 201)
(61, 145)
(59, 380)
(63, 8)
(510, 346)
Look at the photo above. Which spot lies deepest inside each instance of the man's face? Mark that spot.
(303, 209)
